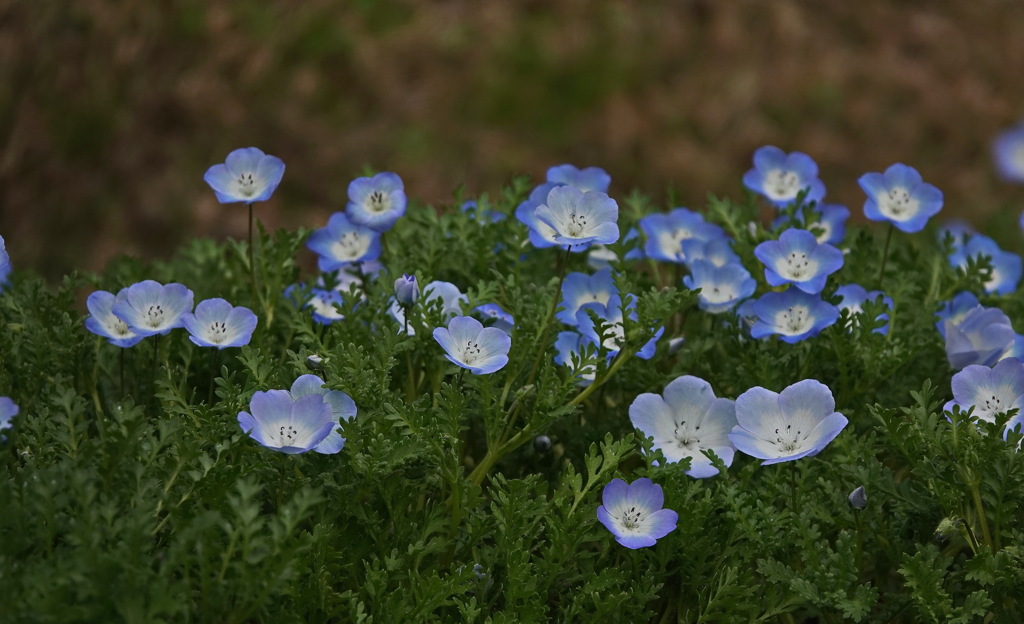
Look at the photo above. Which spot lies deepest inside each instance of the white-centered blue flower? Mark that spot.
(1006, 266)
(150, 308)
(246, 175)
(826, 221)
(502, 319)
(854, 296)
(721, 287)
(982, 337)
(467, 343)
(718, 251)
(217, 323)
(635, 514)
(541, 234)
(569, 352)
(686, 419)
(990, 391)
(579, 289)
(376, 202)
(283, 423)
(8, 410)
(343, 242)
(589, 179)
(102, 322)
(780, 177)
(341, 405)
(1008, 149)
(955, 310)
(798, 258)
(666, 233)
(579, 218)
(436, 293)
(5, 264)
(901, 197)
(793, 315)
(612, 328)
(325, 306)
(798, 422)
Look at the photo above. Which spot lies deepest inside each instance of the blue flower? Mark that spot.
(579, 289)
(150, 308)
(961, 231)
(467, 343)
(579, 218)
(828, 219)
(8, 410)
(341, 405)
(283, 423)
(376, 202)
(982, 337)
(794, 315)
(686, 419)
(798, 422)
(717, 251)
(901, 197)
(502, 319)
(854, 297)
(955, 310)
(325, 304)
(407, 290)
(990, 391)
(246, 175)
(541, 234)
(614, 333)
(1006, 266)
(449, 296)
(634, 513)
(721, 287)
(797, 258)
(589, 179)
(569, 351)
(343, 242)
(780, 177)
(601, 256)
(472, 208)
(665, 233)
(5, 264)
(102, 321)
(216, 323)
(1009, 153)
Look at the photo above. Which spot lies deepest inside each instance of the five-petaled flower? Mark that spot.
(990, 391)
(341, 405)
(102, 322)
(467, 343)
(798, 258)
(288, 424)
(150, 308)
(343, 242)
(635, 513)
(901, 197)
(246, 175)
(217, 323)
(780, 177)
(794, 315)
(579, 218)
(376, 202)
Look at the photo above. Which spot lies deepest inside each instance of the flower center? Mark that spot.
(994, 404)
(471, 352)
(897, 203)
(218, 331)
(351, 246)
(121, 328)
(794, 320)
(247, 184)
(685, 438)
(797, 266)
(154, 315)
(632, 518)
(377, 202)
(577, 223)
(824, 228)
(718, 294)
(781, 184)
(286, 434)
(785, 442)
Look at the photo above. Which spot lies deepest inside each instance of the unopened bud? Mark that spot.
(407, 291)
(859, 498)
(314, 362)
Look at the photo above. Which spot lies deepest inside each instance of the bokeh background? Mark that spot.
(110, 111)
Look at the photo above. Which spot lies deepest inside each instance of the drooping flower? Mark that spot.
(1009, 153)
(341, 405)
(579, 289)
(635, 514)
(721, 287)
(502, 319)
(798, 422)
(589, 179)
(612, 328)
(283, 423)
(797, 258)
(955, 310)
(901, 197)
(449, 296)
(580, 218)
(376, 202)
(150, 308)
(666, 233)
(343, 242)
(991, 391)
(854, 296)
(217, 323)
(686, 419)
(8, 410)
(467, 343)
(794, 315)
(981, 337)
(1006, 266)
(407, 290)
(102, 321)
(5, 264)
(780, 177)
(246, 175)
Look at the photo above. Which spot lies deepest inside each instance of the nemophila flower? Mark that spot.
(684, 420)
(858, 498)
(541, 234)
(324, 304)
(569, 348)
(579, 289)
(1009, 153)
(5, 264)
(217, 323)
(955, 310)
(343, 242)
(612, 328)
(798, 258)
(1006, 266)
(283, 423)
(601, 256)
(854, 297)
(407, 290)
(717, 251)
(901, 197)
(376, 202)
(826, 221)
(793, 315)
(246, 175)
(102, 321)
(990, 391)
(447, 294)
(341, 405)
(580, 218)
(665, 233)
(780, 177)
(150, 308)
(961, 231)
(798, 422)
(472, 208)
(350, 278)
(8, 410)
(589, 179)
(502, 319)
(634, 512)
(981, 337)
(467, 343)
(721, 287)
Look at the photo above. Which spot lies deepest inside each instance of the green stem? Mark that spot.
(979, 509)
(885, 255)
(542, 346)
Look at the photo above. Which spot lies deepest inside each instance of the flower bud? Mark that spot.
(859, 498)
(542, 444)
(314, 362)
(407, 291)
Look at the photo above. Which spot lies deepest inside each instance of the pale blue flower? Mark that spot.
(102, 321)
(376, 202)
(1009, 153)
(541, 234)
(467, 343)
(580, 218)
(343, 242)
(472, 208)
(666, 233)
(901, 197)
(827, 222)
(447, 294)
(407, 290)
(798, 422)
(981, 337)
(502, 319)
(634, 512)
(612, 328)
(579, 289)
(246, 175)
(8, 410)
(955, 310)
(854, 296)
(793, 315)
(283, 423)
(960, 230)
(1006, 266)
(341, 405)
(780, 177)
(5, 264)
(717, 251)
(685, 420)
(990, 391)
(569, 351)
(325, 305)
(217, 323)
(721, 287)
(150, 308)
(798, 258)
(589, 179)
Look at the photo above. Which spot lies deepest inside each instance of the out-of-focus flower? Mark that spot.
(981, 337)
(666, 233)
(407, 290)
(589, 179)
(1006, 266)
(502, 319)
(1009, 153)
(721, 287)
(854, 296)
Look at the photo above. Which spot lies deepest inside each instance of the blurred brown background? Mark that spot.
(110, 111)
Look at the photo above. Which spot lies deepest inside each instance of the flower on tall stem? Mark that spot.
(246, 175)
(467, 343)
(780, 177)
(901, 197)
(150, 308)
(407, 290)
(217, 323)
(102, 322)
(376, 202)
(635, 514)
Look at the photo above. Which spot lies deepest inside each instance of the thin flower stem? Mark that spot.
(122, 373)
(252, 265)
(542, 346)
(885, 254)
(979, 509)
